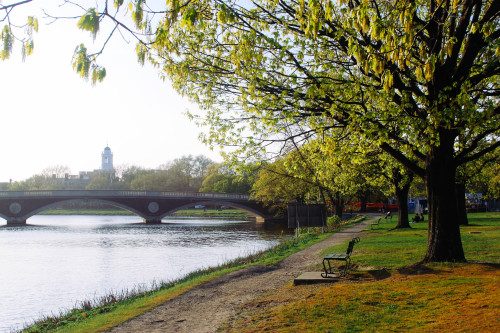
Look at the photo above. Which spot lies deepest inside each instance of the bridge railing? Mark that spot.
(121, 193)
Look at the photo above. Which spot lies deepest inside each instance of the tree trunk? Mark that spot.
(402, 198)
(364, 201)
(461, 207)
(444, 242)
(339, 205)
(402, 186)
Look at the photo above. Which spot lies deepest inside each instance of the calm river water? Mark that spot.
(58, 261)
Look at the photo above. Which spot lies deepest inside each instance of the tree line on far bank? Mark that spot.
(188, 173)
(308, 174)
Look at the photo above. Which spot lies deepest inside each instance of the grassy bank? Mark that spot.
(109, 311)
(387, 292)
(85, 212)
(226, 213)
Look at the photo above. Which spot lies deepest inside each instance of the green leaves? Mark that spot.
(33, 23)
(117, 3)
(137, 12)
(190, 16)
(90, 22)
(85, 65)
(225, 15)
(141, 53)
(81, 62)
(27, 49)
(272, 74)
(7, 41)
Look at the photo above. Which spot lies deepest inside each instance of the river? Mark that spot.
(58, 261)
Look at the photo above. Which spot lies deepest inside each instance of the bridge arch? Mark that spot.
(258, 215)
(152, 206)
(107, 202)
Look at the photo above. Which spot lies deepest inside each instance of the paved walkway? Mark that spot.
(206, 307)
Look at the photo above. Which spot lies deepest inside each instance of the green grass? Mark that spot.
(86, 212)
(456, 298)
(385, 294)
(387, 247)
(213, 213)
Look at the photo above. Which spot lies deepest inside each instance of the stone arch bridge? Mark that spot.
(17, 206)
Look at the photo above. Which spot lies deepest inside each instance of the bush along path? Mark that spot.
(206, 307)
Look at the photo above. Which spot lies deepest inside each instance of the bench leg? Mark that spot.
(327, 270)
(347, 265)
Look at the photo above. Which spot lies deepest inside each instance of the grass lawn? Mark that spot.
(385, 293)
(230, 213)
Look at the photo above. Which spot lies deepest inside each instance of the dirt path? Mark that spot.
(207, 307)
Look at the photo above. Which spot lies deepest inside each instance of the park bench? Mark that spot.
(327, 267)
(376, 223)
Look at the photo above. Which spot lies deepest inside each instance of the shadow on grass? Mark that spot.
(419, 268)
(368, 274)
(473, 225)
(491, 265)
(379, 274)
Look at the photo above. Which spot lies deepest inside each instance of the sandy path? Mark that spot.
(208, 306)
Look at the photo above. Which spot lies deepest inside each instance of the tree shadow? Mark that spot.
(419, 268)
(368, 274)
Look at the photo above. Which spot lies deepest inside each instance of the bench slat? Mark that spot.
(336, 256)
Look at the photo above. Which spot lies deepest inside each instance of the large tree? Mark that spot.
(417, 78)
(316, 173)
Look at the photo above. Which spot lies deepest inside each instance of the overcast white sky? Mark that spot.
(50, 116)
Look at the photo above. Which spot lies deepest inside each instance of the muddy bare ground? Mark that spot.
(206, 307)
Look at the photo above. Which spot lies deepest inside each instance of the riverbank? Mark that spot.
(109, 315)
(383, 293)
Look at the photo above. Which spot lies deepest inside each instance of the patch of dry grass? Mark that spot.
(438, 298)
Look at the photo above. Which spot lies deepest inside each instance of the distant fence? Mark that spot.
(372, 206)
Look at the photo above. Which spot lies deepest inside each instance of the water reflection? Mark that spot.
(57, 261)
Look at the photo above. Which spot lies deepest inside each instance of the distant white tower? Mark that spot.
(107, 159)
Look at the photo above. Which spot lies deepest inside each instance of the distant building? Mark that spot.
(107, 159)
(81, 180)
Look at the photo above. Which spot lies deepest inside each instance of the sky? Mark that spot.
(50, 116)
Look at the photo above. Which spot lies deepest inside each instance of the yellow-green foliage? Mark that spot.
(84, 64)
(90, 22)
(7, 41)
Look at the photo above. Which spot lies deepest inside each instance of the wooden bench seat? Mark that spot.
(376, 223)
(327, 266)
